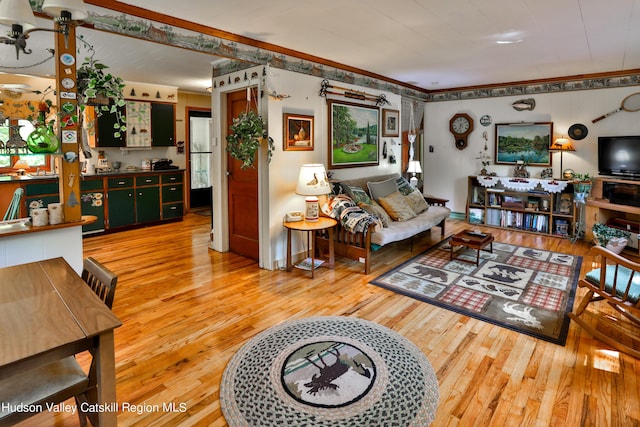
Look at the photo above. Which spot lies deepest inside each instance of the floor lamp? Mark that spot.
(561, 144)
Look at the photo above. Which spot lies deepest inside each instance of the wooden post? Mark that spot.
(68, 132)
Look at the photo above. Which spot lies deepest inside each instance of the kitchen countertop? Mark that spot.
(20, 178)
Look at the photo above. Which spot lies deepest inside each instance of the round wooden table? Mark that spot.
(323, 223)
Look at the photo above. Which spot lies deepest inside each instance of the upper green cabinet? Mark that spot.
(105, 129)
(162, 126)
(163, 119)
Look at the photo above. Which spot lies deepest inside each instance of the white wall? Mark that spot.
(447, 168)
(285, 165)
(278, 185)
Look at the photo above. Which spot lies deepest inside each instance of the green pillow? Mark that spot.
(357, 194)
(404, 187)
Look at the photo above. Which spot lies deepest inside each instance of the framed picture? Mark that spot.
(528, 142)
(390, 123)
(298, 132)
(353, 134)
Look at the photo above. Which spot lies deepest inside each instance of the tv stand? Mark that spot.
(600, 209)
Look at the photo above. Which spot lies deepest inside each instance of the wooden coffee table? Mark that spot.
(472, 240)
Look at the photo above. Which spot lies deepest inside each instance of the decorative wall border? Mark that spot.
(536, 88)
(243, 56)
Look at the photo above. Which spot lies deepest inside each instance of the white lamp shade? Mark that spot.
(313, 181)
(21, 164)
(414, 167)
(17, 12)
(77, 8)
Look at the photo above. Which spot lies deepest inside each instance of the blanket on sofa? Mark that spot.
(351, 216)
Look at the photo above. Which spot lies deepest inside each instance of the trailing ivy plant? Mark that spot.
(247, 134)
(95, 83)
(604, 233)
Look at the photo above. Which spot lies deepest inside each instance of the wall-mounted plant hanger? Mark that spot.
(351, 94)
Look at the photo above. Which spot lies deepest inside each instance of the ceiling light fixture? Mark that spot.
(18, 15)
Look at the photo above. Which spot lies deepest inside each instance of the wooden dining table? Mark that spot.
(47, 313)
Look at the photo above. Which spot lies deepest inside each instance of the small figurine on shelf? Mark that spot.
(485, 159)
(520, 170)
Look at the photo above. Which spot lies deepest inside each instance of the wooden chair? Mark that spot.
(616, 282)
(61, 379)
(100, 279)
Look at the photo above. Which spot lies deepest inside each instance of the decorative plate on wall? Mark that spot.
(578, 132)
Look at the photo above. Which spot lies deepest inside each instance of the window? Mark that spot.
(7, 160)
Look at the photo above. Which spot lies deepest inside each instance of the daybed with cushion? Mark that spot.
(378, 210)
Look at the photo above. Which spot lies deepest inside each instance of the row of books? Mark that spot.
(521, 220)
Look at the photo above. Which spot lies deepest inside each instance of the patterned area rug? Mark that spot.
(329, 371)
(523, 289)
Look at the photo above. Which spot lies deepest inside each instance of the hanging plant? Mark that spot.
(103, 90)
(247, 134)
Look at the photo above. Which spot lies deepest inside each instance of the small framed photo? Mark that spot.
(390, 123)
(298, 132)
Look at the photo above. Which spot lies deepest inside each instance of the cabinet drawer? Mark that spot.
(42, 188)
(172, 210)
(147, 180)
(172, 193)
(171, 178)
(120, 182)
(91, 184)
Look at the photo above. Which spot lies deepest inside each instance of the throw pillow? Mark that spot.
(416, 201)
(377, 211)
(397, 207)
(382, 188)
(357, 194)
(404, 187)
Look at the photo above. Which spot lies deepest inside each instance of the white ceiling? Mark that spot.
(432, 44)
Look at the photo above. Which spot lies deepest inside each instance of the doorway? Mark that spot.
(242, 186)
(200, 158)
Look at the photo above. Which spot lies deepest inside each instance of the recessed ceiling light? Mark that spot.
(509, 41)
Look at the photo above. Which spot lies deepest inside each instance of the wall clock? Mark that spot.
(461, 126)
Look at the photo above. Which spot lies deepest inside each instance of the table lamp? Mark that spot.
(312, 182)
(561, 144)
(414, 168)
(21, 166)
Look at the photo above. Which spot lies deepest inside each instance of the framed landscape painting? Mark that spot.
(528, 142)
(353, 135)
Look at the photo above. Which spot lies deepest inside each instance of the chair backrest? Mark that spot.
(100, 279)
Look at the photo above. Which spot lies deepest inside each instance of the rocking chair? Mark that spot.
(617, 282)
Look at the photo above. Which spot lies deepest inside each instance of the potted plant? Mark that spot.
(103, 90)
(247, 134)
(614, 239)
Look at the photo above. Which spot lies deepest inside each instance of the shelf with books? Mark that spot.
(535, 211)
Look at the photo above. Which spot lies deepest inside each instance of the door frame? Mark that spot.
(187, 150)
(220, 208)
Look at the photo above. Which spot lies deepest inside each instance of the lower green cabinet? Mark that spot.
(121, 207)
(148, 204)
(92, 203)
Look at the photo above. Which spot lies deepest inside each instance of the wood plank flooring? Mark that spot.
(187, 309)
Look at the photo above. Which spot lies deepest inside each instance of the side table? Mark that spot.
(472, 240)
(323, 223)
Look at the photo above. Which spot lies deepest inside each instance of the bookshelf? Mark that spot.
(534, 207)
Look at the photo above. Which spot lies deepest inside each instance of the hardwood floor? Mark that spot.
(187, 309)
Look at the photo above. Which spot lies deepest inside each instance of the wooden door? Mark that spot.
(242, 188)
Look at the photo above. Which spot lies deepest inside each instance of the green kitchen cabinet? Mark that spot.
(92, 203)
(105, 130)
(122, 207)
(147, 204)
(163, 119)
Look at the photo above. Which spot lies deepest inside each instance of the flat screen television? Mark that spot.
(619, 156)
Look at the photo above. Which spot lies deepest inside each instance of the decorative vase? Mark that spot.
(43, 140)
(617, 244)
